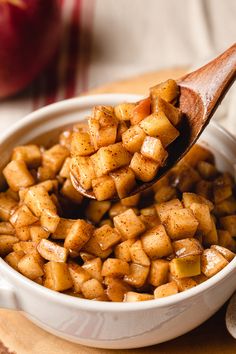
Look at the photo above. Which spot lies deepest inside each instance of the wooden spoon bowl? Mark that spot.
(201, 92)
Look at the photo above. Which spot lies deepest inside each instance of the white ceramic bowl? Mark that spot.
(102, 324)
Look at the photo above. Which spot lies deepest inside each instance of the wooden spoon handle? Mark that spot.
(212, 81)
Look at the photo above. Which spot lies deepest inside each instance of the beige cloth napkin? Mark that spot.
(117, 39)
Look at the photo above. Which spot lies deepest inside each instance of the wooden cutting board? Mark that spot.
(18, 335)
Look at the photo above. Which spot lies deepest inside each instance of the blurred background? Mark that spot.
(57, 49)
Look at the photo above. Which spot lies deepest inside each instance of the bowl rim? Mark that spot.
(85, 304)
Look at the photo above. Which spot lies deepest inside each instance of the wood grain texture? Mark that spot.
(20, 336)
(202, 91)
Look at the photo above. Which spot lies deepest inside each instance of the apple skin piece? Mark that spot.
(29, 36)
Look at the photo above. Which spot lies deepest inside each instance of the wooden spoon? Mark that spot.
(201, 92)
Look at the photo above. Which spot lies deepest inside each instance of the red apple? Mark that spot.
(29, 35)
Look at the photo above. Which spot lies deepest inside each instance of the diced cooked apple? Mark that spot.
(225, 179)
(81, 144)
(6, 244)
(132, 296)
(131, 201)
(196, 154)
(144, 168)
(85, 256)
(25, 246)
(162, 182)
(187, 247)
(17, 175)
(116, 289)
(37, 233)
(189, 198)
(133, 138)
(94, 268)
(107, 236)
(158, 274)
(23, 233)
(30, 154)
(113, 157)
(199, 279)
(62, 229)
(124, 111)
(37, 199)
(78, 275)
(22, 217)
(207, 170)
(165, 193)
(117, 209)
(79, 234)
(102, 127)
(141, 111)
(93, 247)
(121, 129)
(49, 220)
(124, 180)
(221, 192)
(13, 259)
(229, 255)
(103, 188)
(203, 216)
(7, 205)
(65, 138)
(137, 275)
(97, 166)
(29, 266)
(180, 224)
(222, 187)
(51, 251)
(122, 250)
(225, 239)
(149, 211)
(55, 157)
(166, 290)
(128, 224)
(173, 114)
(212, 262)
(156, 243)
(92, 289)
(57, 276)
(211, 238)
(106, 222)
(167, 90)
(95, 210)
(152, 148)
(150, 221)
(12, 194)
(149, 217)
(69, 191)
(184, 283)
(65, 170)
(163, 208)
(138, 255)
(6, 228)
(184, 177)
(115, 267)
(82, 169)
(204, 189)
(158, 125)
(226, 207)
(229, 223)
(187, 266)
(51, 185)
